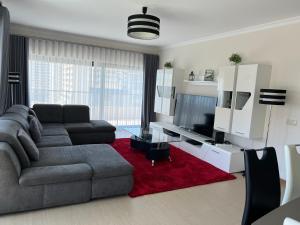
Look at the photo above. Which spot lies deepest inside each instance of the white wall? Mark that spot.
(279, 47)
(80, 39)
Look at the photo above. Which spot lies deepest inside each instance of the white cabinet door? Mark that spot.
(223, 119)
(245, 96)
(226, 78)
(168, 78)
(246, 79)
(226, 95)
(159, 91)
(169, 97)
(165, 92)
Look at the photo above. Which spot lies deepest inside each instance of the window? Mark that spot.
(109, 81)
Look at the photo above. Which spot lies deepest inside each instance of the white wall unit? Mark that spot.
(226, 95)
(228, 158)
(238, 111)
(158, 90)
(168, 82)
(248, 115)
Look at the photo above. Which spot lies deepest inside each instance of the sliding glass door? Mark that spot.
(109, 81)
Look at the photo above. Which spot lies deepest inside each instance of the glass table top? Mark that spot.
(152, 135)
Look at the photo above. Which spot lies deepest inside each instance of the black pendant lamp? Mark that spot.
(143, 26)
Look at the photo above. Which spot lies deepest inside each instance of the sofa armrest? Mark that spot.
(55, 174)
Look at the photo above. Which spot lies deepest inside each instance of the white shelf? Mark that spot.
(202, 82)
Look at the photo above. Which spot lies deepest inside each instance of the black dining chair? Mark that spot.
(262, 184)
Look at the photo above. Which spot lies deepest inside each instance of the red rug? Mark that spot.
(184, 171)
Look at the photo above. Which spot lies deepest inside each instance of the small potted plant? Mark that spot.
(235, 59)
(168, 65)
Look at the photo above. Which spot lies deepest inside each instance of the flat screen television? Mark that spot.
(196, 113)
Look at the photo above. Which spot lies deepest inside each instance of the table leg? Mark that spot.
(152, 162)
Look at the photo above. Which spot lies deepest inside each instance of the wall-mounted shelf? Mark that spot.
(201, 82)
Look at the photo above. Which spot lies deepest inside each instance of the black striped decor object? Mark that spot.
(143, 26)
(13, 77)
(272, 96)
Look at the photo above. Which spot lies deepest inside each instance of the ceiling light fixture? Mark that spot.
(143, 26)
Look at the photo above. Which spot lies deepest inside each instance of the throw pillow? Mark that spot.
(34, 130)
(38, 122)
(28, 144)
(32, 112)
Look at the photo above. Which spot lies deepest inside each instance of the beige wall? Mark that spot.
(279, 47)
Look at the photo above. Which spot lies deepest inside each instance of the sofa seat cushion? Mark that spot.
(92, 127)
(52, 141)
(103, 159)
(51, 125)
(102, 125)
(55, 174)
(79, 127)
(54, 131)
(107, 162)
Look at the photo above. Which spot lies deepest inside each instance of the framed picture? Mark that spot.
(209, 75)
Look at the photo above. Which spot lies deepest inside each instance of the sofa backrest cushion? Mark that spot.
(76, 114)
(8, 160)
(49, 113)
(34, 129)
(8, 133)
(18, 110)
(17, 118)
(18, 106)
(28, 145)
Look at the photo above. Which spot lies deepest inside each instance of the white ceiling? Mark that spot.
(181, 20)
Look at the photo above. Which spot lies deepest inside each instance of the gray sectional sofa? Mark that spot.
(75, 119)
(64, 173)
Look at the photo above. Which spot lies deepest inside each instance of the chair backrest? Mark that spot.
(262, 184)
(292, 165)
(289, 221)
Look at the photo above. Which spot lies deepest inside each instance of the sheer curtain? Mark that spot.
(109, 81)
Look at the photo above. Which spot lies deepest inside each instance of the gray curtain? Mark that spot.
(151, 64)
(4, 44)
(18, 70)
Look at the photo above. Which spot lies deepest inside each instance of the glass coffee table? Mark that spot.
(154, 142)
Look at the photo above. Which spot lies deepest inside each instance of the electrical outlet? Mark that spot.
(292, 122)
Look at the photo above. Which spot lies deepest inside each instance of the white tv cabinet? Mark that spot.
(226, 157)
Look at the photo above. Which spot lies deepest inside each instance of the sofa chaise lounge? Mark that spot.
(63, 173)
